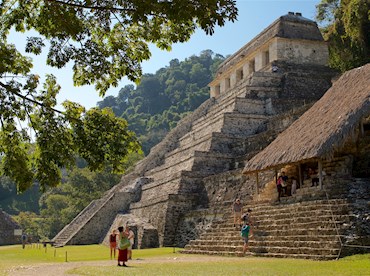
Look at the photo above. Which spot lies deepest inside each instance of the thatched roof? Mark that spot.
(324, 127)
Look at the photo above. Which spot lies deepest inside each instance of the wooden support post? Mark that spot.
(320, 173)
(300, 175)
(257, 183)
(276, 178)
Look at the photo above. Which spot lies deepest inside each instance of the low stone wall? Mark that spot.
(194, 223)
(358, 233)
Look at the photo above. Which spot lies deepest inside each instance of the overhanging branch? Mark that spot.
(92, 7)
(9, 89)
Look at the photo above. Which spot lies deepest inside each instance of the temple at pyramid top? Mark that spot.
(291, 38)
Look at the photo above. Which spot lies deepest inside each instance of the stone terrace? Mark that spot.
(296, 230)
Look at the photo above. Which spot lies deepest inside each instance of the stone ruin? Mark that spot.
(184, 188)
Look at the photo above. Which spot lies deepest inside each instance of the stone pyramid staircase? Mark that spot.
(67, 233)
(293, 230)
(203, 150)
(209, 141)
(208, 148)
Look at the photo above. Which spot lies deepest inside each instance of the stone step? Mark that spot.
(337, 211)
(207, 162)
(282, 226)
(244, 124)
(227, 122)
(297, 256)
(235, 237)
(293, 238)
(310, 205)
(191, 144)
(258, 243)
(269, 249)
(281, 220)
(277, 232)
(232, 104)
(267, 255)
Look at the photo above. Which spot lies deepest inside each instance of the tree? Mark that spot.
(347, 29)
(106, 40)
(58, 206)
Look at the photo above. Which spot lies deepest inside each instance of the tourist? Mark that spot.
(24, 240)
(237, 209)
(279, 186)
(313, 175)
(247, 218)
(244, 233)
(113, 244)
(122, 247)
(131, 238)
(294, 186)
(284, 183)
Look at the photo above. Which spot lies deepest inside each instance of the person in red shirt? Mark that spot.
(113, 244)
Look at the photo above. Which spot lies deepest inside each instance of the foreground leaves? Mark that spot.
(102, 139)
(104, 40)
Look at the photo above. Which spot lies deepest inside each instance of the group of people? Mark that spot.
(282, 182)
(244, 221)
(282, 185)
(123, 241)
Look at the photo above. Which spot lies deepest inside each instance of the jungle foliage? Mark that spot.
(160, 100)
(346, 26)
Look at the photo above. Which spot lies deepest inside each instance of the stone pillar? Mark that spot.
(233, 79)
(273, 49)
(214, 91)
(259, 61)
(222, 86)
(246, 69)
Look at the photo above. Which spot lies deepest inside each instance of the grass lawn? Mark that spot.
(162, 261)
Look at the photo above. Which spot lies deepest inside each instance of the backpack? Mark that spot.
(245, 231)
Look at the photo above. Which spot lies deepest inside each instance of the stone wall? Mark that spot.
(359, 230)
(146, 236)
(301, 51)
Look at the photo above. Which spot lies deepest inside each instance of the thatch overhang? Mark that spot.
(322, 129)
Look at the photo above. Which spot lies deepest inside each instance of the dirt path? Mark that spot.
(60, 269)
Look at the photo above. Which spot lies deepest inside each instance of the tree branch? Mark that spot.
(91, 7)
(9, 89)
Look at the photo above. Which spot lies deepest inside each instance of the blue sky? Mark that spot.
(253, 17)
